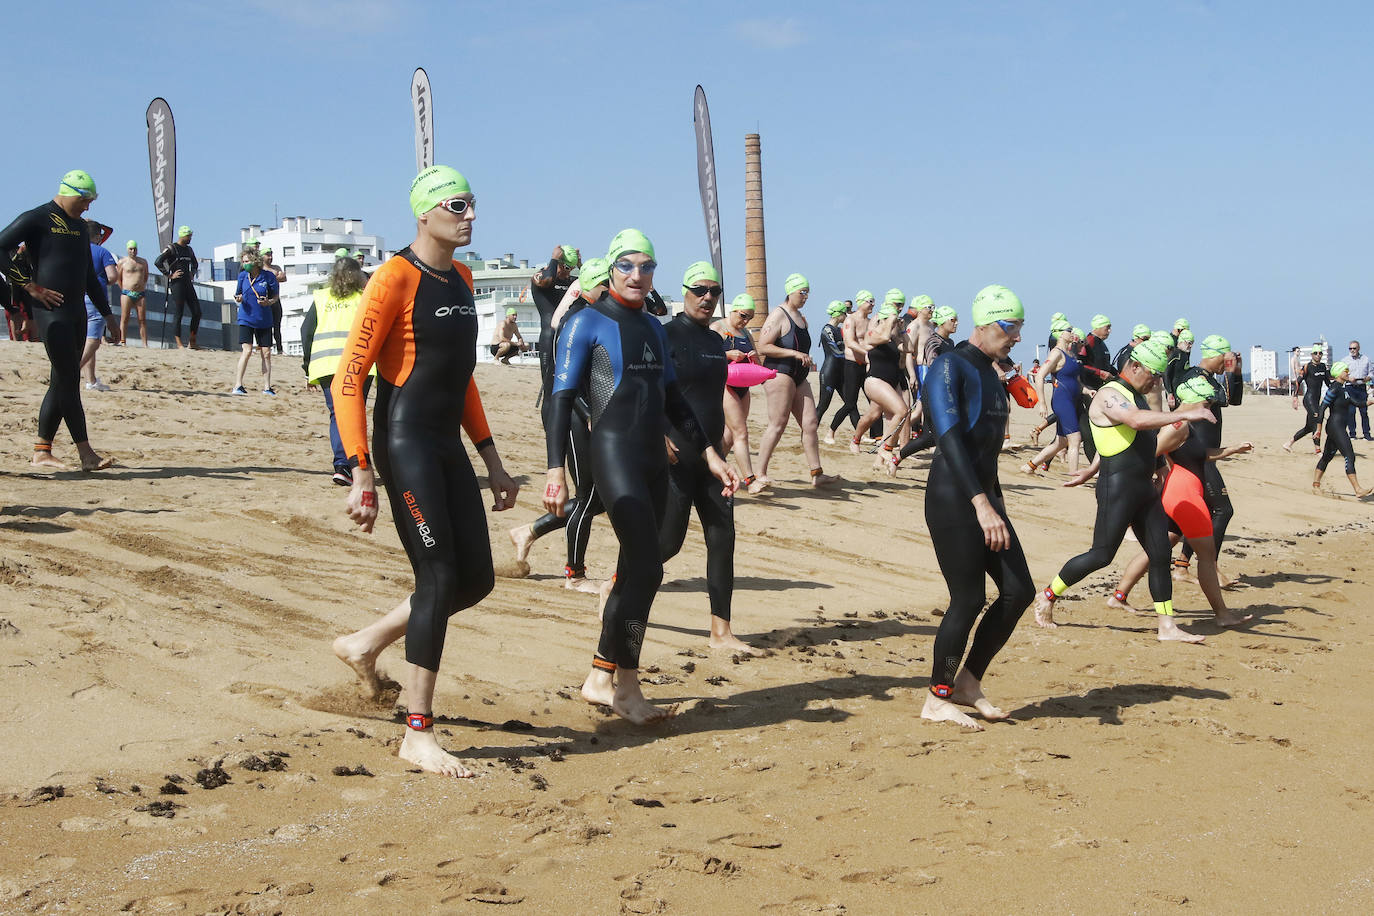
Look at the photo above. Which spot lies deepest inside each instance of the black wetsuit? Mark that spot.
(698, 356)
(1127, 498)
(832, 369)
(59, 258)
(1336, 405)
(1313, 379)
(1095, 371)
(797, 338)
(1175, 371)
(181, 291)
(966, 405)
(546, 300)
(1213, 485)
(1121, 356)
(619, 355)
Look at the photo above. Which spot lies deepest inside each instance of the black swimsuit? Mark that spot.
(797, 338)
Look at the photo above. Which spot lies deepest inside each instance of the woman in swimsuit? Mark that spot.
(739, 347)
(1064, 367)
(785, 345)
(883, 387)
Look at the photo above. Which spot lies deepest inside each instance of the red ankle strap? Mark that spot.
(419, 722)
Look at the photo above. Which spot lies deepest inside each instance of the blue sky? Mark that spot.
(1146, 160)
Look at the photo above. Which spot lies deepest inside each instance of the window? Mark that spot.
(288, 251)
(307, 248)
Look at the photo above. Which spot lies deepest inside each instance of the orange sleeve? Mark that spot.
(382, 302)
(474, 417)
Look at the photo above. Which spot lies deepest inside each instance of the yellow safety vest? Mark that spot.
(333, 318)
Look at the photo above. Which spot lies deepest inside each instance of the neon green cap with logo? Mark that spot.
(595, 271)
(1195, 391)
(1153, 354)
(1338, 368)
(1161, 335)
(836, 307)
(922, 302)
(131, 244)
(77, 183)
(267, 251)
(571, 256)
(627, 241)
(357, 254)
(944, 313)
(1077, 332)
(510, 311)
(1060, 326)
(1185, 336)
(894, 296)
(795, 283)
(1215, 345)
(435, 185)
(184, 232)
(340, 253)
(698, 271)
(996, 303)
(863, 295)
(1141, 332)
(1057, 317)
(1318, 348)
(742, 303)
(1100, 321)
(1182, 325)
(887, 310)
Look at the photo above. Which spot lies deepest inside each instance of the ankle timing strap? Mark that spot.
(419, 722)
(601, 664)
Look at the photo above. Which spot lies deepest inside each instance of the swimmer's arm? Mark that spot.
(20, 231)
(1110, 405)
(1086, 474)
(571, 296)
(684, 419)
(308, 326)
(1171, 437)
(544, 277)
(766, 345)
(945, 409)
(1221, 454)
(503, 488)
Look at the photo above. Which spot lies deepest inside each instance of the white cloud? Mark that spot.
(770, 34)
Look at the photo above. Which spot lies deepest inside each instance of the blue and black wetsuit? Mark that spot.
(618, 354)
(1336, 406)
(832, 370)
(966, 406)
(926, 438)
(1213, 485)
(58, 257)
(1068, 390)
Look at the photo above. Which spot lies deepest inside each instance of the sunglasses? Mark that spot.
(701, 292)
(459, 205)
(628, 267)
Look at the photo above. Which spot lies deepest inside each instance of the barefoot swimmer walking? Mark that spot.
(1124, 428)
(418, 324)
(618, 355)
(966, 405)
(57, 243)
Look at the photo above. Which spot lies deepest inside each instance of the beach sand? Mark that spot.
(178, 736)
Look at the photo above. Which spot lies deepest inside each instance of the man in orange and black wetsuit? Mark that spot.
(418, 325)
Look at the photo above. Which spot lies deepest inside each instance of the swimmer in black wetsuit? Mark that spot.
(418, 324)
(619, 355)
(1313, 379)
(585, 505)
(1124, 426)
(179, 265)
(966, 404)
(1215, 352)
(698, 356)
(547, 289)
(1336, 406)
(56, 275)
(785, 345)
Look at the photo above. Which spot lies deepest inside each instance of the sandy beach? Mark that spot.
(179, 737)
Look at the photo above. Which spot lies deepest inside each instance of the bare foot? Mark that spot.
(629, 702)
(760, 484)
(599, 688)
(830, 438)
(90, 460)
(422, 749)
(1122, 604)
(1035, 438)
(1361, 494)
(1044, 612)
(825, 480)
(46, 460)
(1169, 631)
(1028, 468)
(732, 643)
(603, 594)
(523, 539)
(1224, 580)
(1185, 574)
(1288, 447)
(363, 663)
(1232, 619)
(938, 710)
(854, 446)
(583, 584)
(968, 691)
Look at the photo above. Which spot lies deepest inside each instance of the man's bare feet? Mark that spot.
(1232, 619)
(352, 653)
(90, 460)
(523, 539)
(760, 484)
(583, 584)
(599, 688)
(1169, 631)
(968, 691)
(825, 480)
(854, 446)
(422, 749)
(629, 702)
(1361, 494)
(722, 637)
(830, 438)
(1124, 604)
(44, 459)
(1044, 612)
(1185, 574)
(938, 710)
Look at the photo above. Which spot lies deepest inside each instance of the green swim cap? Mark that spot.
(510, 312)
(923, 302)
(435, 185)
(267, 251)
(742, 303)
(1318, 348)
(1185, 336)
(836, 307)
(627, 241)
(1100, 321)
(1337, 369)
(357, 254)
(795, 283)
(698, 271)
(1077, 332)
(1141, 332)
(183, 232)
(887, 310)
(595, 271)
(1058, 316)
(77, 183)
(571, 256)
(1060, 326)
(944, 313)
(1182, 325)
(1215, 345)
(131, 244)
(1195, 391)
(255, 242)
(1153, 354)
(894, 296)
(862, 296)
(1161, 335)
(996, 303)
(341, 252)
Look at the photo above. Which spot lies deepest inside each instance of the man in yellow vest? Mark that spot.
(322, 340)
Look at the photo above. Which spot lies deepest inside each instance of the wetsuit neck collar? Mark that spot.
(972, 350)
(629, 305)
(1121, 380)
